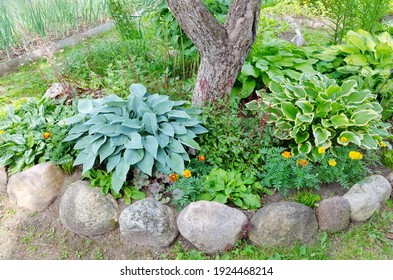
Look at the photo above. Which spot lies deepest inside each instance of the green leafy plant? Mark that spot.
(343, 165)
(366, 59)
(387, 158)
(308, 198)
(270, 58)
(102, 179)
(317, 113)
(143, 131)
(233, 187)
(30, 134)
(235, 137)
(185, 190)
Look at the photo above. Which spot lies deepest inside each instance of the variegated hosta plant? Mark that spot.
(317, 113)
(143, 131)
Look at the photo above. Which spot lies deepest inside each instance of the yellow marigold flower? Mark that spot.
(302, 162)
(321, 150)
(286, 154)
(201, 158)
(355, 155)
(46, 135)
(332, 162)
(187, 173)
(1, 131)
(173, 177)
(380, 143)
(344, 139)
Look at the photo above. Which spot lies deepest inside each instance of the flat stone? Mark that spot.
(85, 211)
(368, 196)
(148, 223)
(212, 227)
(333, 214)
(37, 187)
(3, 180)
(283, 224)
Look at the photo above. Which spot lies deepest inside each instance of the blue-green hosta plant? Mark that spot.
(317, 113)
(142, 131)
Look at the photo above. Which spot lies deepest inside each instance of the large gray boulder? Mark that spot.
(283, 224)
(211, 226)
(3, 180)
(37, 187)
(333, 214)
(85, 211)
(368, 196)
(148, 223)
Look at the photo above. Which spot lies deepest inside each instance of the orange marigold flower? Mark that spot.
(187, 173)
(355, 155)
(286, 154)
(321, 150)
(302, 162)
(46, 135)
(173, 177)
(344, 139)
(332, 162)
(201, 158)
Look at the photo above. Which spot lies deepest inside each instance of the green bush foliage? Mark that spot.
(234, 138)
(366, 59)
(143, 131)
(318, 113)
(284, 171)
(232, 187)
(30, 134)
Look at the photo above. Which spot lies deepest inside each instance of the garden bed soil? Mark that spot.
(29, 235)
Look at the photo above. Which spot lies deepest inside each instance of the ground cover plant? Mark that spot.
(317, 116)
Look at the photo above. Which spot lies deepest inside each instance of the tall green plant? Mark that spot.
(143, 131)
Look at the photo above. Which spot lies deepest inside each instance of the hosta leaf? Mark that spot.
(198, 129)
(151, 145)
(113, 100)
(154, 99)
(79, 128)
(133, 123)
(85, 106)
(189, 142)
(305, 148)
(150, 121)
(97, 144)
(117, 182)
(301, 137)
(348, 137)
(363, 117)
(340, 121)
(252, 201)
(167, 129)
(162, 139)
(72, 137)
(356, 59)
(132, 157)
(176, 163)
(88, 162)
(321, 135)
(122, 169)
(105, 151)
(138, 90)
(179, 129)
(249, 70)
(176, 147)
(73, 120)
(178, 114)
(369, 142)
(146, 164)
(305, 105)
(289, 110)
(112, 162)
(163, 107)
(359, 96)
(135, 142)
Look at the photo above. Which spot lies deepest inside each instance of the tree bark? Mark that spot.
(223, 48)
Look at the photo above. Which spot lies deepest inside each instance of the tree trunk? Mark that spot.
(223, 48)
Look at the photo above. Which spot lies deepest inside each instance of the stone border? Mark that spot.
(209, 226)
(14, 64)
